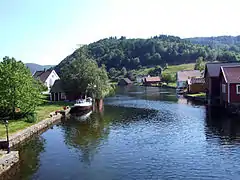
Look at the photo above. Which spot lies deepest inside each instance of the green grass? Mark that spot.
(171, 69)
(42, 111)
(143, 71)
(176, 68)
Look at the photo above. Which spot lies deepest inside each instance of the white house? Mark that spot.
(47, 77)
(183, 76)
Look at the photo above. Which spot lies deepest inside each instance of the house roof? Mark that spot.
(42, 75)
(213, 69)
(195, 80)
(128, 81)
(152, 79)
(184, 75)
(57, 87)
(231, 74)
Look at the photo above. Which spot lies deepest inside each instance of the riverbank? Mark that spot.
(42, 112)
(169, 86)
(7, 160)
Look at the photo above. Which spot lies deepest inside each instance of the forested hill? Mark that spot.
(158, 50)
(231, 43)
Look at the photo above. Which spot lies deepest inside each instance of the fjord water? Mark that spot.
(143, 133)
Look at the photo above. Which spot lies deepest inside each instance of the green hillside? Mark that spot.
(134, 54)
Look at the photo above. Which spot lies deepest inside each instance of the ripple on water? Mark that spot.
(144, 134)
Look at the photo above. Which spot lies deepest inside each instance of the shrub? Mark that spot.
(31, 117)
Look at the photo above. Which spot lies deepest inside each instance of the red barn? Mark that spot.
(230, 85)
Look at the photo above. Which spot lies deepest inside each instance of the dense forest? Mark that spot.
(231, 43)
(159, 50)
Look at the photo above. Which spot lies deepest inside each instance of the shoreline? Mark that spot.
(8, 160)
(196, 98)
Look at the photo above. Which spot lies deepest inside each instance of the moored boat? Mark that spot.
(82, 105)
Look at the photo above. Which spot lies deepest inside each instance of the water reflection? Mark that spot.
(140, 135)
(29, 162)
(149, 93)
(87, 136)
(222, 126)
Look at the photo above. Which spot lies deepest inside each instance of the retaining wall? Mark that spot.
(8, 160)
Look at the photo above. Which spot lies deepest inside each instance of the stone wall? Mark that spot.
(20, 136)
(8, 160)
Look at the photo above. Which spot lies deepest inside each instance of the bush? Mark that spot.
(168, 78)
(31, 117)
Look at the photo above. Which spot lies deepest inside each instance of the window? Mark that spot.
(238, 89)
(223, 88)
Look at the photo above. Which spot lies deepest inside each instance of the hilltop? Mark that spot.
(133, 54)
(229, 43)
(36, 67)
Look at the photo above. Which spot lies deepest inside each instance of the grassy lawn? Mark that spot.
(171, 69)
(143, 71)
(42, 111)
(176, 68)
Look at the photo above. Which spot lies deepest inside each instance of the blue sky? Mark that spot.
(46, 31)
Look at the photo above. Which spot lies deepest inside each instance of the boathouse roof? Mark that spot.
(213, 69)
(57, 87)
(186, 74)
(231, 74)
(128, 81)
(152, 79)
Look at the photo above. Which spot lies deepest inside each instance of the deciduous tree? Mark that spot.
(18, 89)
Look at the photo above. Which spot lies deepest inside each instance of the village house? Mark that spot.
(47, 77)
(212, 79)
(183, 76)
(149, 81)
(229, 85)
(124, 82)
(196, 85)
(57, 93)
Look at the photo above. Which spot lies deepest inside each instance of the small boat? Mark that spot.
(82, 105)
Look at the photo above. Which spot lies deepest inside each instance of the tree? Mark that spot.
(156, 59)
(154, 51)
(136, 62)
(199, 65)
(167, 78)
(83, 76)
(112, 72)
(18, 88)
(124, 71)
(130, 76)
(157, 71)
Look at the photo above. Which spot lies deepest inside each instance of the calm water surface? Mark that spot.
(143, 133)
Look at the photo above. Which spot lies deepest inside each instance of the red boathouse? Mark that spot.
(230, 85)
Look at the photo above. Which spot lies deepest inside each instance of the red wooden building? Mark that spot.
(230, 85)
(148, 81)
(212, 79)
